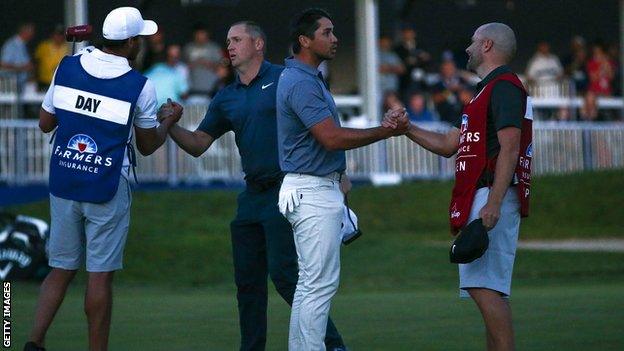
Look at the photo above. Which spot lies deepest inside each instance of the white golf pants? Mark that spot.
(314, 207)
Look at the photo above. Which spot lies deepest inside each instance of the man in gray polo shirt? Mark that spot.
(14, 56)
(311, 147)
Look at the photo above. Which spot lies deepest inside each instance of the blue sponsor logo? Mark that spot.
(464, 123)
(81, 154)
(82, 143)
(529, 150)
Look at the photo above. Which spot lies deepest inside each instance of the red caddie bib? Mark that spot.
(472, 161)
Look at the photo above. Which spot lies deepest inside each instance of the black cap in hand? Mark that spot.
(470, 244)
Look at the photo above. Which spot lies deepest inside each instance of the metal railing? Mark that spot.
(559, 148)
(9, 97)
(559, 88)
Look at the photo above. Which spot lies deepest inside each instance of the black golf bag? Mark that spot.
(23, 247)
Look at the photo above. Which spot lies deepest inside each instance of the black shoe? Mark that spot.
(31, 346)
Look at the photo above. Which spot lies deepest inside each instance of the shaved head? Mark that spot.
(502, 36)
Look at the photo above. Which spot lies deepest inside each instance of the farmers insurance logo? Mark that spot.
(82, 143)
(81, 154)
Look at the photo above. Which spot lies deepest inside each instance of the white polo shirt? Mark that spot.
(107, 66)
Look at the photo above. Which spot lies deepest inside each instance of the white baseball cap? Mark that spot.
(126, 22)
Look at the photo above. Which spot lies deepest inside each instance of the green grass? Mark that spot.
(183, 236)
(561, 301)
(398, 291)
(584, 205)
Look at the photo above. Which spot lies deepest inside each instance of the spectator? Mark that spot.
(601, 71)
(225, 72)
(465, 95)
(544, 72)
(414, 59)
(390, 66)
(392, 101)
(589, 111)
(48, 55)
(153, 51)
(15, 57)
(575, 63)
(564, 114)
(417, 108)
(203, 57)
(613, 51)
(446, 92)
(169, 77)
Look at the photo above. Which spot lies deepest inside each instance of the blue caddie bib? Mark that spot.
(94, 117)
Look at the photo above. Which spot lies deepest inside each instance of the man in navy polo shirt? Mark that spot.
(262, 239)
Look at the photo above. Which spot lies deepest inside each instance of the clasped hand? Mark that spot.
(396, 120)
(170, 110)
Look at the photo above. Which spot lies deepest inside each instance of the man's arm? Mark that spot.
(334, 137)
(507, 110)
(442, 144)
(509, 139)
(214, 124)
(194, 143)
(47, 121)
(26, 67)
(149, 140)
(307, 101)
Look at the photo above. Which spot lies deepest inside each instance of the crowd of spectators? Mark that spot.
(438, 89)
(431, 89)
(196, 70)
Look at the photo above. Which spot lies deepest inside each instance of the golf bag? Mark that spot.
(23, 247)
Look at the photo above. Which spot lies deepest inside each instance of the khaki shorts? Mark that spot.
(493, 270)
(95, 232)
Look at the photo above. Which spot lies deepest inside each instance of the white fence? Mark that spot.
(558, 148)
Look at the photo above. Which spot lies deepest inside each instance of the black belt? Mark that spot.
(487, 180)
(263, 184)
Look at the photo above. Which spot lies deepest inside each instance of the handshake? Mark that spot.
(170, 111)
(396, 122)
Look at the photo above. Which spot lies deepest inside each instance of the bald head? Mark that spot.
(502, 37)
